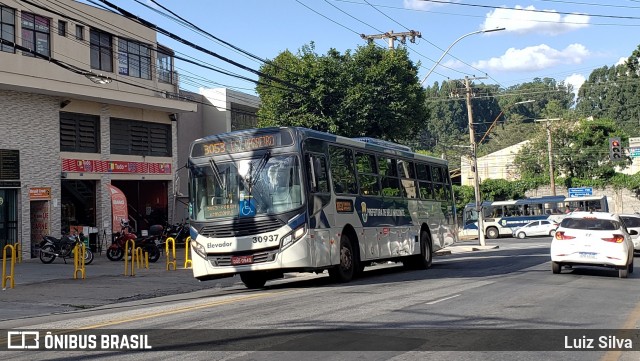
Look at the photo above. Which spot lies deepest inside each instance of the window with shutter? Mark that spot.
(140, 138)
(79, 132)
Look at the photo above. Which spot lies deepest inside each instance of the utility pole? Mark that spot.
(474, 155)
(392, 37)
(552, 180)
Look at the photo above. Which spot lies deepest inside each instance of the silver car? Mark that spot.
(632, 222)
(543, 227)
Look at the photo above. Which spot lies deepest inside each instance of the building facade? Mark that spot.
(220, 110)
(87, 100)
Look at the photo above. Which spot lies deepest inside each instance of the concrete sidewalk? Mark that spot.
(48, 288)
(51, 288)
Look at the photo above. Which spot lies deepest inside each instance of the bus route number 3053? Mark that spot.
(265, 238)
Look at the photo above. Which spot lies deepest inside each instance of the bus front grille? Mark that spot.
(241, 228)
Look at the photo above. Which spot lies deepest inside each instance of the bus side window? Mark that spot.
(317, 171)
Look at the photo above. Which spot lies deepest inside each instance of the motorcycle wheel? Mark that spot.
(154, 253)
(47, 254)
(88, 256)
(115, 254)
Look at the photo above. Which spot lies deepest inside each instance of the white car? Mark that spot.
(536, 228)
(593, 239)
(632, 222)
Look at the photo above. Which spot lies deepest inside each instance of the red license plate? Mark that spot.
(236, 260)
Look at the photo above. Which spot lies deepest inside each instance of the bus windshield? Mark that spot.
(246, 187)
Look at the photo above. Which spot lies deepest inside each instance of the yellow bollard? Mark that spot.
(187, 249)
(18, 247)
(171, 257)
(9, 278)
(133, 257)
(139, 260)
(78, 260)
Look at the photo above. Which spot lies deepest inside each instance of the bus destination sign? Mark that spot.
(236, 145)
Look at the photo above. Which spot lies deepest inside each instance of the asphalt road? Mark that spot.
(500, 293)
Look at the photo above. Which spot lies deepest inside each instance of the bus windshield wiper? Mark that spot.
(253, 176)
(261, 164)
(216, 174)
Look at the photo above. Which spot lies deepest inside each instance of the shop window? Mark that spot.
(164, 65)
(140, 138)
(79, 133)
(243, 117)
(79, 32)
(78, 204)
(101, 50)
(7, 28)
(62, 28)
(134, 59)
(36, 34)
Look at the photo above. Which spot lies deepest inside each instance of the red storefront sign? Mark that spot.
(114, 166)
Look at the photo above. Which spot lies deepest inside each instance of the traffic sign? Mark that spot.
(580, 192)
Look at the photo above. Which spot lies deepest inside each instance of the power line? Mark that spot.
(122, 31)
(218, 39)
(81, 71)
(484, 16)
(373, 27)
(196, 46)
(533, 10)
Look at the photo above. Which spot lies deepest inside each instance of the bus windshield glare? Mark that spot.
(246, 187)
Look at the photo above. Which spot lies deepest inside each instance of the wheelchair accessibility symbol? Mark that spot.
(247, 208)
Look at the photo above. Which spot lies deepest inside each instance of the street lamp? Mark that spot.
(98, 78)
(552, 181)
(454, 43)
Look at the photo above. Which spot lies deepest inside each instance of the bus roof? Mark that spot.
(364, 143)
(371, 144)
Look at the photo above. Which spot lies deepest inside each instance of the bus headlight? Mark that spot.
(292, 237)
(199, 249)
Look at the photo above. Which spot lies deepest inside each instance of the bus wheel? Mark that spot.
(253, 280)
(492, 233)
(423, 260)
(346, 269)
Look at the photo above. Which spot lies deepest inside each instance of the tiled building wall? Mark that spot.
(30, 123)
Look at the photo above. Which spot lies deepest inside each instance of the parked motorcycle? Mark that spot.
(115, 252)
(179, 232)
(52, 247)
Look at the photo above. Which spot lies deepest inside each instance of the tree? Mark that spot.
(581, 150)
(612, 92)
(373, 92)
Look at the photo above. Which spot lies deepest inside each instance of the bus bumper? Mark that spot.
(295, 257)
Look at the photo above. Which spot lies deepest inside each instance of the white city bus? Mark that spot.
(501, 217)
(267, 201)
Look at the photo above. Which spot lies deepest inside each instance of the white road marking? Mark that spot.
(442, 299)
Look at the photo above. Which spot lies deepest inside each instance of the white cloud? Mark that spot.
(622, 61)
(537, 57)
(421, 5)
(526, 21)
(576, 80)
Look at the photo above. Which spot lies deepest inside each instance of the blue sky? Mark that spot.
(560, 39)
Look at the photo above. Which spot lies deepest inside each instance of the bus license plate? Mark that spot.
(236, 260)
(587, 255)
